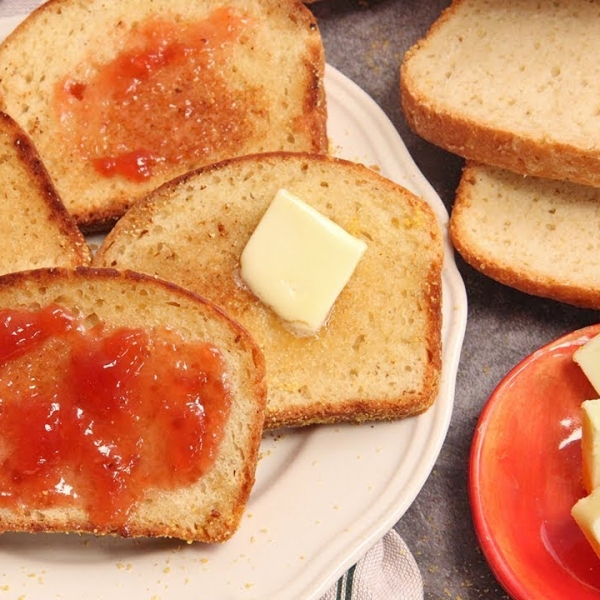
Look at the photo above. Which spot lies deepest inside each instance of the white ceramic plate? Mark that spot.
(323, 495)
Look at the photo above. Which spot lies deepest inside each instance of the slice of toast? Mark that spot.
(537, 235)
(121, 96)
(35, 228)
(511, 84)
(378, 356)
(206, 507)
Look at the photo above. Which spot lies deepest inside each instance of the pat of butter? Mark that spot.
(297, 262)
(590, 444)
(588, 358)
(586, 513)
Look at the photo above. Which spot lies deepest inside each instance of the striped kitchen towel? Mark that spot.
(387, 572)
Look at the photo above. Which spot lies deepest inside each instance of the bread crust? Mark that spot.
(534, 235)
(210, 509)
(287, 109)
(36, 228)
(379, 355)
(449, 114)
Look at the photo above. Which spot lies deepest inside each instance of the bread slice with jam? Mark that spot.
(378, 356)
(127, 406)
(122, 96)
(35, 228)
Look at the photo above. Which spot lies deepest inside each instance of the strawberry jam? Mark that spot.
(94, 417)
(165, 99)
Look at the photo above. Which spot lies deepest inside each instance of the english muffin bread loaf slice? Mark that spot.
(121, 96)
(378, 355)
(511, 84)
(537, 235)
(35, 228)
(127, 406)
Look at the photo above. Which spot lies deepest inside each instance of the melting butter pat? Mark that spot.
(297, 262)
(590, 444)
(586, 513)
(588, 358)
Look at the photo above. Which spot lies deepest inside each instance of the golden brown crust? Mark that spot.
(36, 228)
(209, 510)
(379, 355)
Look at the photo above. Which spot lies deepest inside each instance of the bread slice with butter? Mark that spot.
(378, 356)
(510, 84)
(536, 235)
(35, 228)
(123, 96)
(206, 508)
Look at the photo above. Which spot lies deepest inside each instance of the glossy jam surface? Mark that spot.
(94, 417)
(165, 99)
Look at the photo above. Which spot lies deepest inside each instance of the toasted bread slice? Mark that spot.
(510, 84)
(207, 508)
(35, 228)
(537, 235)
(121, 96)
(378, 356)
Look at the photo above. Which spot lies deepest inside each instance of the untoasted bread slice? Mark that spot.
(378, 356)
(537, 235)
(121, 96)
(35, 228)
(511, 84)
(205, 509)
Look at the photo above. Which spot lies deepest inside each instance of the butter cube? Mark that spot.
(586, 513)
(590, 443)
(297, 262)
(588, 358)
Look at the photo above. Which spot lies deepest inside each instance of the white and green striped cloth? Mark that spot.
(387, 572)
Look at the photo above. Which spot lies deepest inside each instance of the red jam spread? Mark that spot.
(165, 99)
(93, 417)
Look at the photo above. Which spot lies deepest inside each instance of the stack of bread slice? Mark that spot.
(512, 88)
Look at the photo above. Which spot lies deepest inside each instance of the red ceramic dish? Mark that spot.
(525, 475)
